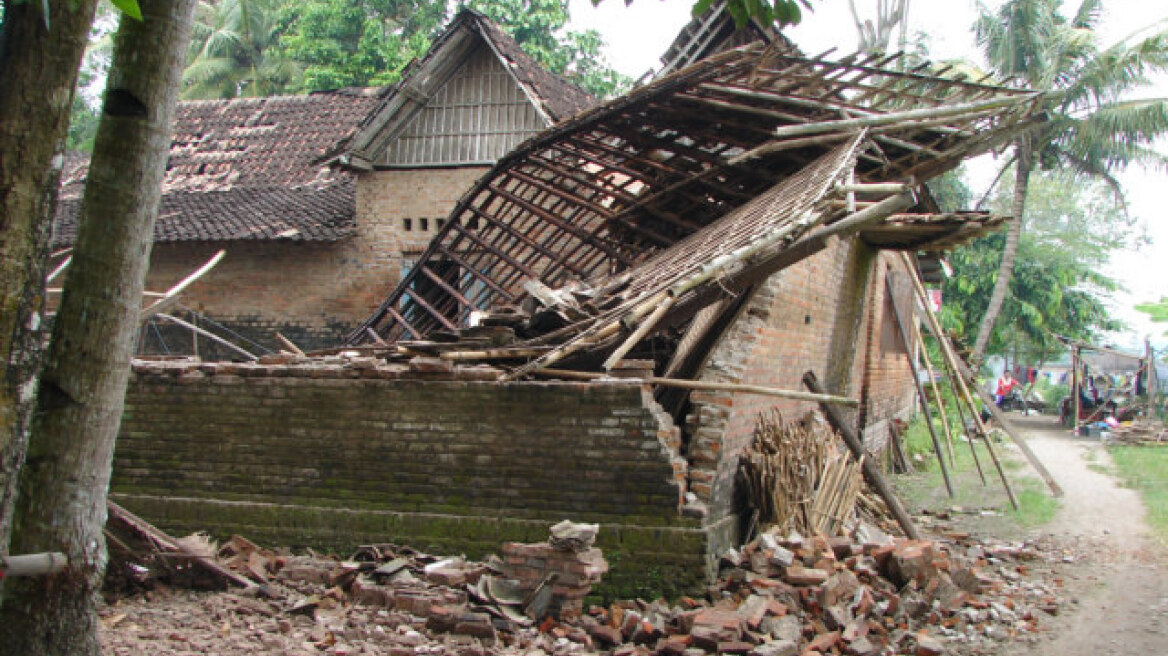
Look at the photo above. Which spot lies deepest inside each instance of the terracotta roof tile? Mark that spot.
(249, 168)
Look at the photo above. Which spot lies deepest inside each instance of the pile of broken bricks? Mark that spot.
(777, 596)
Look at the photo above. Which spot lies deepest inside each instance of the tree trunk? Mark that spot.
(1025, 162)
(61, 506)
(38, 70)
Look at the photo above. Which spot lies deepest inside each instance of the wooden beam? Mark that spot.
(872, 473)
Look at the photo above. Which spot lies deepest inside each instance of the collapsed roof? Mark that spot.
(621, 203)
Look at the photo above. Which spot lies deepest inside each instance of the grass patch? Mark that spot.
(1145, 469)
(925, 490)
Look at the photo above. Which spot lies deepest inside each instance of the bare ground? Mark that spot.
(1117, 583)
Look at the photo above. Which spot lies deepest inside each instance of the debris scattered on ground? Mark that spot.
(779, 595)
(1140, 431)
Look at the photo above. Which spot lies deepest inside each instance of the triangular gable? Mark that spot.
(472, 98)
(476, 117)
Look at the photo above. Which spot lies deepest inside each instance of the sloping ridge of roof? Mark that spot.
(554, 97)
(248, 169)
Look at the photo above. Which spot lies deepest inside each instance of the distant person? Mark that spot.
(1005, 384)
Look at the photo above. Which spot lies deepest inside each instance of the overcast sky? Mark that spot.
(638, 34)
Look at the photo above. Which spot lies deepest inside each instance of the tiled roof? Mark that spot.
(249, 168)
(308, 213)
(559, 98)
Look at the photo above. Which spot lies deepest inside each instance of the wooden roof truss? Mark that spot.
(638, 183)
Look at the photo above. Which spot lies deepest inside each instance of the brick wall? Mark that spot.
(816, 315)
(335, 456)
(313, 293)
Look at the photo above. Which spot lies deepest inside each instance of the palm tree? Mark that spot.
(234, 51)
(1095, 128)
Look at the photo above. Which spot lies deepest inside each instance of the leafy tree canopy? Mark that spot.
(356, 42)
(538, 27)
(1095, 126)
(1072, 228)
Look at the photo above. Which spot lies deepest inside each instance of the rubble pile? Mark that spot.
(870, 595)
(778, 596)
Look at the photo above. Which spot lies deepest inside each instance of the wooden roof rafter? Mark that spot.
(603, 192)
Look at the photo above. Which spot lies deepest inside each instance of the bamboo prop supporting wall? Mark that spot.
(871, 471)
(899, 317)
(924, 351)
(962, 412)
(1007, 426)
(951, 356)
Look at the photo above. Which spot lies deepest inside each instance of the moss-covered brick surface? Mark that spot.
(446, 466)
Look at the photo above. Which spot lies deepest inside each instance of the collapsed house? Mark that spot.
(311, 249)
(597, 326)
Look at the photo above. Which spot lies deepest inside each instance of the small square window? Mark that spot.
(407, 224)
(438, 223)
(423, 224)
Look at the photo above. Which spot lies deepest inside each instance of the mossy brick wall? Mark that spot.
(816, 315)
(316, 457)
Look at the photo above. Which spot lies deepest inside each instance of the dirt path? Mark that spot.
(1119, 587)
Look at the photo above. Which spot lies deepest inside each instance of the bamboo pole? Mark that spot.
(290, 345)
(40, 564)
(170, 298)
(916, 374)
(1076, 383)
(947, 350)
(1008, 427)
(872, 473)
(925, 114)
(708, 386)
(59, 270)
(932, 381)
(205, 333)
(961, 417)
(639, 334)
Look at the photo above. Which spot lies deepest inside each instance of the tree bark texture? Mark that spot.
(1024, 163)
(38, 71)
(62, 500)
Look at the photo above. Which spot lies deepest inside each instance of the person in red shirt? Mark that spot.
(1005, 384)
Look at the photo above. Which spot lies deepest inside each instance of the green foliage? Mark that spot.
(1157, 311)
(233, 51)
(1093, 127)
(783, 12)
(268, 47)
(129, 8)
(356, 43)
(1145, 469)
(950, 191)
(1072, 228)
(538, 27)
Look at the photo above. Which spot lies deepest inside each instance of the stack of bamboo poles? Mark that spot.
(835, 496)
(796, 478)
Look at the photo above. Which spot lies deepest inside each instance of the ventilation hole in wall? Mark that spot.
(423, 224)
(438, 223)
(407, 224)
(807, 319)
